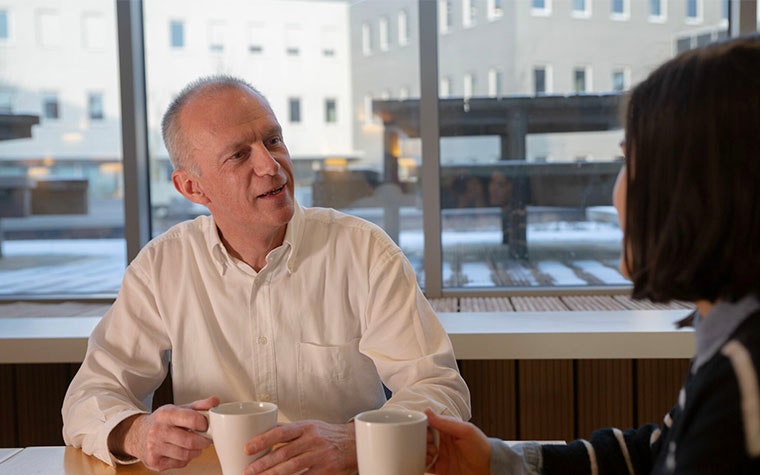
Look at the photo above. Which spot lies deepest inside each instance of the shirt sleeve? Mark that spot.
(127, 359)
(523, 458)
(407, 343)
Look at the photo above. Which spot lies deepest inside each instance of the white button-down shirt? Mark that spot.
(335, 313)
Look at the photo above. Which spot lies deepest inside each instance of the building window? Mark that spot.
(403, 93)
(541, 7)
(93, 31)
(445, 88)
(4, 27)
(331, 112)
(48, 29)
(620, 9)
(495, 9)
(256, 37)
(724, 9)
(177, 34)
(403, 28)
(469, 13)
(683, 44)
(329, 42)
(216, 37)
(6, 101)
(383, 33)
(693, 11)
(294, 109)
(366, 39)
(494, 83)
(657, 10)
(50, 105)
(293, 40)
(581, 8)
(619, 80)
(469, 85)
(579, 81)
(444, 16)
(540, 85)
(95, 106)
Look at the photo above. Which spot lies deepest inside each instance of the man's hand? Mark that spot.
(463, 450)
(164, 439)
(322, 448)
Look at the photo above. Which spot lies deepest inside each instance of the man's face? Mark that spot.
(244, 172)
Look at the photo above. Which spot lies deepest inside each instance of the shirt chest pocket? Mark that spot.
(336, 382)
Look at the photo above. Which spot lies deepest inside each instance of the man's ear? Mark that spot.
(189, 186)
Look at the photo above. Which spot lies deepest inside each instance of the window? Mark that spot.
(580, 81)
(444, 16)
(445, 87)
(366, 39)
(331, 113)
(50, 105)
(177, 34)
(469, 86)
(693, 11)
(293, 40)
(403, 93)
(403, 28)
(4, 27)
(329, 42)
(620, 80)
(724, 9)
(6, 101)
(657, 9)
(495, 9)
(494, 83)
(581, 8)
(216, 37)
(48, 29)
(620, 9)
(256, 37)
(95, 106)
(541, 7)
(540, 85)
(93, 31)
(294, 108)
(469, 13)
(683, 44)
(383, 32)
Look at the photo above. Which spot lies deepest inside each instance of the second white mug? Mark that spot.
(391, 442)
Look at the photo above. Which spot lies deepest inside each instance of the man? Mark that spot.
(264, 300)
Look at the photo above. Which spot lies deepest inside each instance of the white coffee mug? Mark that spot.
(232, 425)
(392, 442)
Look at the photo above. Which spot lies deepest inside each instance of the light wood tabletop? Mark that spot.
(72, 461)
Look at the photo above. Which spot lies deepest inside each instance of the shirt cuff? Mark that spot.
(523, 458)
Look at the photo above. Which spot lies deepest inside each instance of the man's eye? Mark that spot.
(238, 155)
(275, 140)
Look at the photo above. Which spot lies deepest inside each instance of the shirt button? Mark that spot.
(262, 340)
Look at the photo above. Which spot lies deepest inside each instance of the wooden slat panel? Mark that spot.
(7, 408)
(605, 395)
(538, 304)
(485, 304)
(39, 395)
(492, 392)
(546, 400)
(657, 388)
(447, 304)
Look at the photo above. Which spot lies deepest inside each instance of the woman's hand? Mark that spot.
(464, 449)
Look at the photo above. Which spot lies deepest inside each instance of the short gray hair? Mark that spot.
(174, 139)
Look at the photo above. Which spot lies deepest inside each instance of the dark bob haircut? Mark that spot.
(692, 226)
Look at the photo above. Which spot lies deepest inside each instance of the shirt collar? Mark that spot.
(291, 240)
(713, 330)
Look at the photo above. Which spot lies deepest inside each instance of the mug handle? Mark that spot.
(207, 433)
(437, 443)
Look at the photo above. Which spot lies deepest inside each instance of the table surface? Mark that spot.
(72, 461)
(7, 453)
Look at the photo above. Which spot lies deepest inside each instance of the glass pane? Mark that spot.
(61, 210)
(321, 67)
(526, 178)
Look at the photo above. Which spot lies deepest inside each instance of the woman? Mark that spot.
(688, 201)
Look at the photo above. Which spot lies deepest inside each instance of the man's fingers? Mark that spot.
(448, 425)
(277, 435)
(203, 404)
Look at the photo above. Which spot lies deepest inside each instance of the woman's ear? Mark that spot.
(189, 186)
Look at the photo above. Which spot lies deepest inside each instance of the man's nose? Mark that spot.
(263, 162)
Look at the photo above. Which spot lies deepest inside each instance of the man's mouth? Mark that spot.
(272, 193)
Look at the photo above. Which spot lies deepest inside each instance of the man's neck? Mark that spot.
(252, 248)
